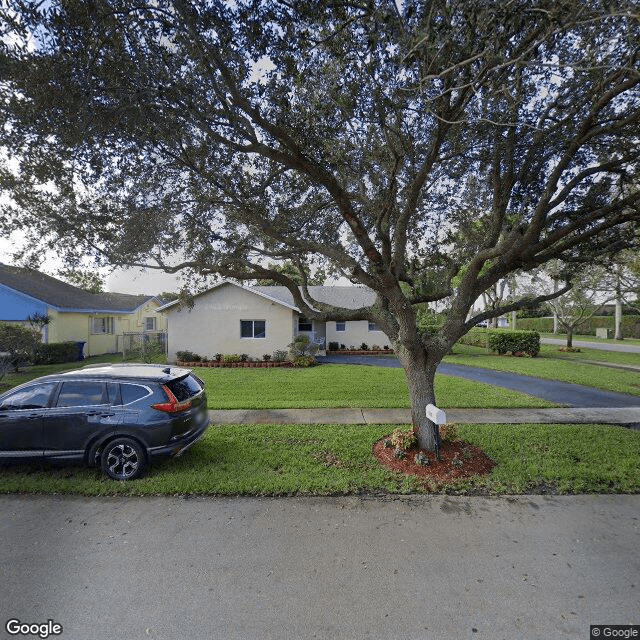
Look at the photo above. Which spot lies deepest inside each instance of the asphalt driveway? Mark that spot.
(564, 393)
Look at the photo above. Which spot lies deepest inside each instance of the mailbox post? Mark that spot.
(438, 417)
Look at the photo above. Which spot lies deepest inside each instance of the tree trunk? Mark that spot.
(420, 370)
(569, 338)
(618, 334)
(555, 313)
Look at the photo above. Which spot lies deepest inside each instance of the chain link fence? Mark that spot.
(149, 346)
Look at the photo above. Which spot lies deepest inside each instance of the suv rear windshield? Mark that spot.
(185, 388)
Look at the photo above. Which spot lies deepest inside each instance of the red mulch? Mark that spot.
(438, 472)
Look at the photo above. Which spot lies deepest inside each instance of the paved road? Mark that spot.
(405, 568)
(563, 393)
(602, 346)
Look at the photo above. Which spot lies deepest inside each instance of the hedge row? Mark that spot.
(56, 353)
(630, 325)
(515, 342)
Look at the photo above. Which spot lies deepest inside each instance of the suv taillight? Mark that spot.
(173, 406)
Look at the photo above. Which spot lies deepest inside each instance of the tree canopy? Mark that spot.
(426, 149)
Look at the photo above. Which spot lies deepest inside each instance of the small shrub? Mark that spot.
(387, 443)
(333, 346)
(364, 347)
(279, 355)
(342, 347)
(244, 357)
(304, 361)
(526, 342)
(302, 346)
(230, 358)
(266, 357)
(449, 432)
(386, 347)
(375, 347)
(467, 454)
(217, 357)
(404, 439)
(188, 356)
(399, 453)
(456, 462)
(422, 459)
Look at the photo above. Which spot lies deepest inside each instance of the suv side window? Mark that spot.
(132, 392)
(80, 393)
(34, 397)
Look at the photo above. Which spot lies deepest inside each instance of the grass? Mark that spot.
(345, 386)
(35, 371)
(588, 338)
(338, 459)
(553, 365)
(356, 386)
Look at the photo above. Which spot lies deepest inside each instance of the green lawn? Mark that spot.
(35, 371)
(554, 365)
(345, 386)
(563, 336)
(338, 459)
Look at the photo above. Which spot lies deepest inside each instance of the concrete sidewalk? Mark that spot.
(627, 416)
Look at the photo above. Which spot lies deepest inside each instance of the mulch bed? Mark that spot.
(438, 472)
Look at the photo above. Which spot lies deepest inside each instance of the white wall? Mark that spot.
(213, 324)
(356, 332)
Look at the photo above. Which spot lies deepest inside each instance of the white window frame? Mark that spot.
(341, 323)
(304, 320)
(373, 326)
(103, 325)
(153, 323)
(253, 335)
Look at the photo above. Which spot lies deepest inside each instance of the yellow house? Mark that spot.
(100, 320)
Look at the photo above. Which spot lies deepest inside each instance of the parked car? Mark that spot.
(119, 417)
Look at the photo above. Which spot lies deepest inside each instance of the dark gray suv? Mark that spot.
(118, 417)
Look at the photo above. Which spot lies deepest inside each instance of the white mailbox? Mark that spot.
(437, 416)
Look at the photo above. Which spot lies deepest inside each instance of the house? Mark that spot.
(97, 319)
(229, 318)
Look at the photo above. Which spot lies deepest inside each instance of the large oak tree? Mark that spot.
(426, 150)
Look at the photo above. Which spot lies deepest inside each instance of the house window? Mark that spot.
(341, 325)
(304, 324)
(102, 325)
(150, 323)
(253, 329)
(373, 326)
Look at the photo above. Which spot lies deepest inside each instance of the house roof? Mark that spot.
(345, 297)
(66, 297)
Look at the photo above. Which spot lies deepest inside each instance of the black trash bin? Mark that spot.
(80, 344)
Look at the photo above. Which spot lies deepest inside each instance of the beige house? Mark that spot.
(100, 320)
(230, 318)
